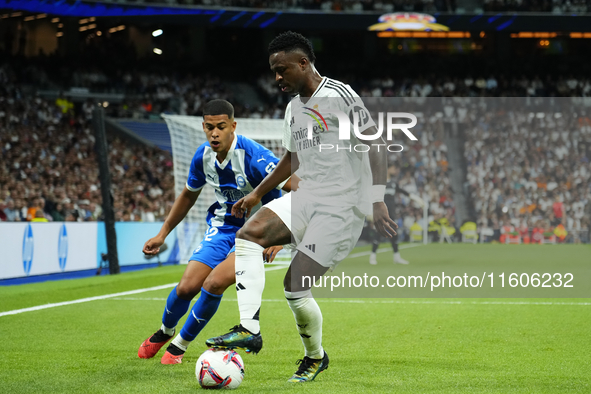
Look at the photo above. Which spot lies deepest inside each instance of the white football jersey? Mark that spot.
(340, 175)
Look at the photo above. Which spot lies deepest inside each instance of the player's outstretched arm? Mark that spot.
(179, 210)
(378, 161)
(281, 172)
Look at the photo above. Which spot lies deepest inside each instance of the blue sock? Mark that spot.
(203, 310)
(175, 309)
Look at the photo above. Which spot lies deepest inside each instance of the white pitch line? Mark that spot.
(393, 301)
(381, 250)
(88, 299)
(81, 300)
(277, 267)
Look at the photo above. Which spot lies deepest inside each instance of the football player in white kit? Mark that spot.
(324, 217)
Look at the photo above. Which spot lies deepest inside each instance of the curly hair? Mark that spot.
(290, 41)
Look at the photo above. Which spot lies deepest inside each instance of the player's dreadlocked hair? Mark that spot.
(290, 41)
(218, 107)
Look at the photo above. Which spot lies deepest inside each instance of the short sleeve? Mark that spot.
(262, 164)
(196, 179)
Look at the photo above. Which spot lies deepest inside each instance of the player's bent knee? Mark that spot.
(253, 231)
(187, 290)
(215, 284)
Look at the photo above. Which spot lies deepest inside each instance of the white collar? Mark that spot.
(320, 85)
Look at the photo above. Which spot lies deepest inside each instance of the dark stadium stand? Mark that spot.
(155, 131)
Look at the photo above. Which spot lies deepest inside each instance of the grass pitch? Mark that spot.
(375, 345)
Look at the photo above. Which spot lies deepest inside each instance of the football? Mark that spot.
(219, 369)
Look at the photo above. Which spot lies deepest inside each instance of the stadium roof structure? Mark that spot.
(284, 19)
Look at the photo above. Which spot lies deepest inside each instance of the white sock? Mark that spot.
(308, 319)
(250, 283)
(166, 330)
(181, 343)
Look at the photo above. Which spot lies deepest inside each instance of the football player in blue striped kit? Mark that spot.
(233, 165)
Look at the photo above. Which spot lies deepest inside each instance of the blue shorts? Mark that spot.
(217, 244)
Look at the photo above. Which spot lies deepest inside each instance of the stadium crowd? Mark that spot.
(49, 169)
(530, 173)
(468, 86)
(49, 163)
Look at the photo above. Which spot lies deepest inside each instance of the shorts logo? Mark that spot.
(198, 248)
(312, 247)
(240, 181)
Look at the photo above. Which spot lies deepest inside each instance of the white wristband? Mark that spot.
(377, 193)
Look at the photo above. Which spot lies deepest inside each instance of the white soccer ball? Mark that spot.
(219, 369)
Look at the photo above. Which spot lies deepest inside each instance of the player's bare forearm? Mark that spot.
(180, 208)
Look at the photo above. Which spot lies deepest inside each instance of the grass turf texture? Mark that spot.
(379, 345)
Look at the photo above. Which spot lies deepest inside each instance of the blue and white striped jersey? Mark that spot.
(245, 166)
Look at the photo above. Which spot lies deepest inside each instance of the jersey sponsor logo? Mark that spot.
(62, 247)
(28, 248)
(233, 195)
(240, 181)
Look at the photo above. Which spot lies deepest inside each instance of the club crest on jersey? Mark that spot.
(240, 181)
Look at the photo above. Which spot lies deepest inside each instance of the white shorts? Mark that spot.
(325, 233)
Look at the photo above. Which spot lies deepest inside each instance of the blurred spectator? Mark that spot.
(39, 217)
